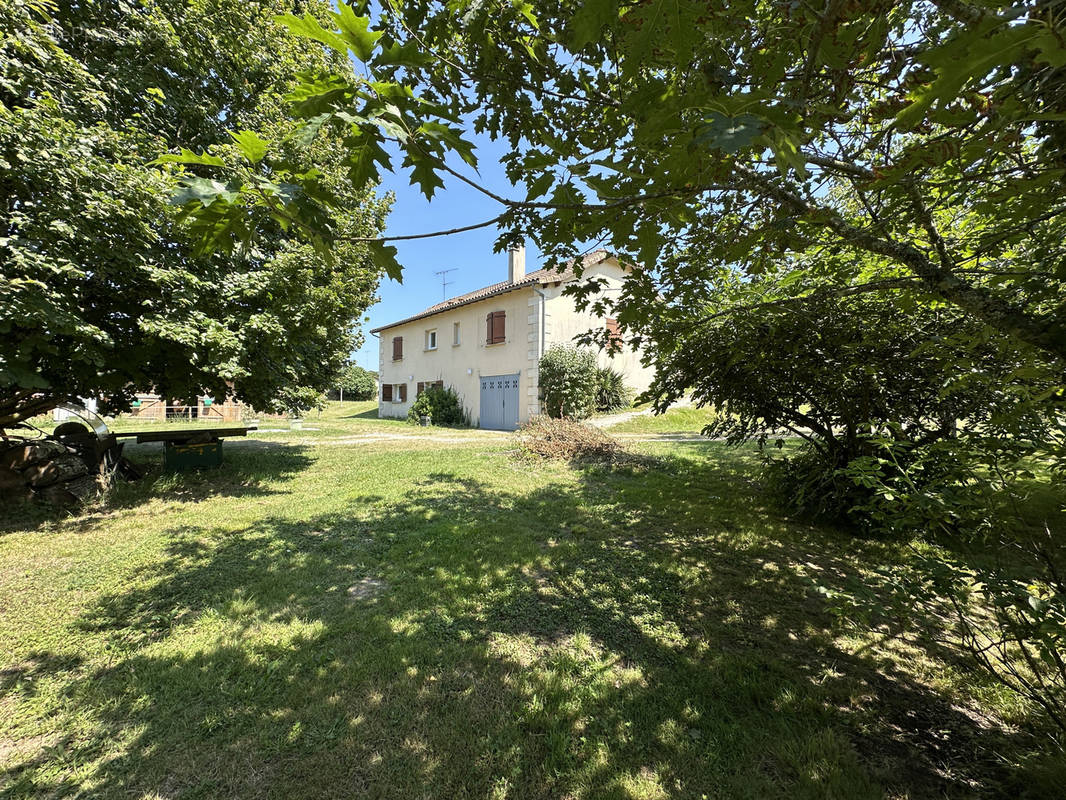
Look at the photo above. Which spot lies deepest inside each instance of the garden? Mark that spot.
(410, 617)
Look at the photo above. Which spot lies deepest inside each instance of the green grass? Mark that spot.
(675, 420)
(336, 420)
(420, 619)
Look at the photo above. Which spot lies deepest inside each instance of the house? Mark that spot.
(487, 344)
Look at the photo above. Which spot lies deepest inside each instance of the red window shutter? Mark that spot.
(386, 392)
(397, 348)
(497, 327)
(614, 335)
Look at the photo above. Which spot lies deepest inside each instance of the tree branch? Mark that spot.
(936, 278)
(410, 236)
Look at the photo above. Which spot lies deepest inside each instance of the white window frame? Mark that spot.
(457, 335)
(432, 332)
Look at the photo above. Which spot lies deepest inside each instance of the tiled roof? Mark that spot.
(540, 276)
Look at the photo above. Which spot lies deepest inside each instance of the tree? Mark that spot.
(104, 290)
(358, 383)
(927, 134)
(792, 152)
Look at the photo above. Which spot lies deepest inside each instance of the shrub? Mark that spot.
(569, 381)
(612, 394)
(565, 439)
(442, 404)
(358, 383)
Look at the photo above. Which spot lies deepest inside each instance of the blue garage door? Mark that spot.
(499, 402)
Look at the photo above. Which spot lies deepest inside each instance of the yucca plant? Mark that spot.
(612, 393)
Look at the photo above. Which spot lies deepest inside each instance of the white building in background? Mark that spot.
(487, 344)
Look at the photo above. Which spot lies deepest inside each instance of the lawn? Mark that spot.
(420, 618)
(688, 419)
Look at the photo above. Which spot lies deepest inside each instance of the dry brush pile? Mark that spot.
(567, 440)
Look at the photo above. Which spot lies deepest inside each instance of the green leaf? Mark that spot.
(966, 57)
(729, 134)
(189, 157)
(588, 21)
(540, 186)
(355, 31)
(408, 54)
(363, 155)
(526, 10)
(1051, 48)
(384, 257)
(251, 146)
(309, 28)
(452, 137)
(202, 190)
(424, 171)
(307, 132)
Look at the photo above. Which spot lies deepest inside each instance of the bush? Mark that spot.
(565, 439)
(569, 381)
(956, 485)
(442, 404)
(358, 383)
(612, 394)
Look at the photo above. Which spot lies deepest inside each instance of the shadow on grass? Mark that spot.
(369, 414)
(250, 470)
(625, 636)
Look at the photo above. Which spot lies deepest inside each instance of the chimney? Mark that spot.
(516, 263)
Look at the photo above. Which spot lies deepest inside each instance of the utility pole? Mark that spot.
(444, 282)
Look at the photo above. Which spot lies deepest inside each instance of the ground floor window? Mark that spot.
(423, 385)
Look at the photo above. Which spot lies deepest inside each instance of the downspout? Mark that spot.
(543, 303)
(540, 353)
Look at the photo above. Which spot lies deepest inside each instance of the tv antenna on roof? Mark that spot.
(444, 282)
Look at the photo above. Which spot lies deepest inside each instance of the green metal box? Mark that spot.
(179, 456)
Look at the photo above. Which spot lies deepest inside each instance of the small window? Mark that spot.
(496, 327)
(614, 335)
(431, 340)
(423, 385)
(397, 348)
(456, 339)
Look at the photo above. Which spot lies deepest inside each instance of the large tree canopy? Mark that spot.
(103, 290)
(931, 135)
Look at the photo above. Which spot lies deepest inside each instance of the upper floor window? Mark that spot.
(614, 334)
(496, 327)
(455, 334)
(431, 340)
(397, 348)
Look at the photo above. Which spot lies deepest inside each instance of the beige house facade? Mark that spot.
(487, 344)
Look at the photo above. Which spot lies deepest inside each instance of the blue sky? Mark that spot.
(470, 253)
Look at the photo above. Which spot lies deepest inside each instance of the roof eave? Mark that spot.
(426, 314)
